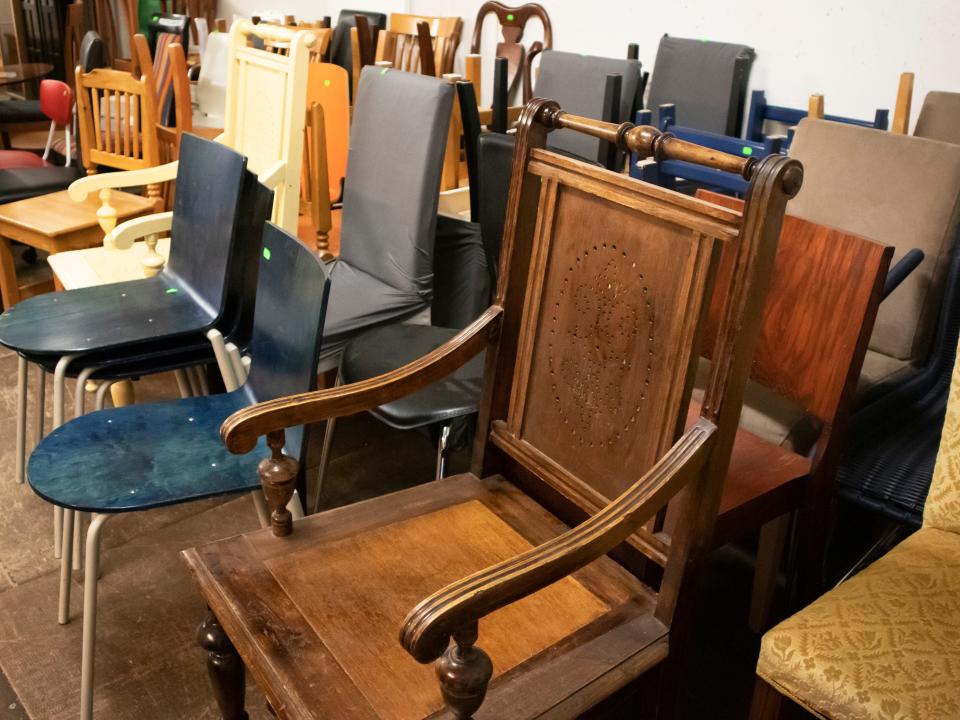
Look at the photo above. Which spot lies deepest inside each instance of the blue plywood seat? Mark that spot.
(145, 456)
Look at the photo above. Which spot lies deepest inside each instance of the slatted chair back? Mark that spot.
(117, 116)
(404, 45)
(590, 386)
(513, 22)
(266, 107)
(117, 22)
(318, 49)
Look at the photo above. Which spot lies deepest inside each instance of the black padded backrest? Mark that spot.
(169, 23)
(292, 291)
(391, 190)
(578, 83)
(206, 212)
(495, 163)
(707, 79)
(93, 52)
(341, 53)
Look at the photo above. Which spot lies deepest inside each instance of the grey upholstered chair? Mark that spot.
(578, 83)
(390, 196)
(707, 79)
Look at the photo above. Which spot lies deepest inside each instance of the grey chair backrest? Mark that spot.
(578, 82)
(707, 79)
(940, 117)
(392, 186)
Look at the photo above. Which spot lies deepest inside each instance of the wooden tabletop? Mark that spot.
(13, 74)
(56, 215)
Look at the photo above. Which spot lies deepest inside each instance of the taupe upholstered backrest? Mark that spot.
(940, 117)
(898, 190)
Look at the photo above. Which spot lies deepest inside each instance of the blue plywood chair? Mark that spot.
(761, 111)
(152, 455)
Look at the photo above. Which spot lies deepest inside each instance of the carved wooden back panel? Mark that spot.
(614, 297)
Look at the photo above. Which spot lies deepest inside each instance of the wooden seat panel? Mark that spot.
(338, 599)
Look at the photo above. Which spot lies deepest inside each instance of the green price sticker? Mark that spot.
(171, 291)
(326, 83)
(266, 253)
(747, 150)
(510, 17)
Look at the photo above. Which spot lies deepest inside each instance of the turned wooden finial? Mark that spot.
(278, 476)
(464, 671)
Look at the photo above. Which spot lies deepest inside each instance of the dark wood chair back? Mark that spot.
(513, 21)
(420, 43)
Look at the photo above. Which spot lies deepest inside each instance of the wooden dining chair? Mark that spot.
(405, 43)
(513, 22)
(589, 343)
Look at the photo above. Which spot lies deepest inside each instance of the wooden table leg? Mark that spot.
(226, 670)
(9, 286)
(122, 393)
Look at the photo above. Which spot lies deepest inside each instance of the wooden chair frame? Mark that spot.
(513, 21)
(404, 43)
(696, 461)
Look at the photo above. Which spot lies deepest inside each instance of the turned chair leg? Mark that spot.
(768, 703)
(90, 583)
(226, 670)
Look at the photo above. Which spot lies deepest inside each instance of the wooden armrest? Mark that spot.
(241, 430)
(79, 189)
(125, 234)
(273, 175)
(427, 629)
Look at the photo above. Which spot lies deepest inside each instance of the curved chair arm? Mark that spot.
(79, 189)
(273, 175)
(899, 272)
(427, 629)
(241, 430)
(125, 234)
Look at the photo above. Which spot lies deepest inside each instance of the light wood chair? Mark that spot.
(404, 44)
(587, 369)
(264, 120)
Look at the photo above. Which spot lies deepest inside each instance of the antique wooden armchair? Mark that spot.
(590, 346)
(513, 21)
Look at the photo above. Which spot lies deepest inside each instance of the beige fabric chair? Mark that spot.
(886, 643)
(940, 117)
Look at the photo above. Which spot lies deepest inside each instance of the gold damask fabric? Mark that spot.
(942, 509)
(884, 645)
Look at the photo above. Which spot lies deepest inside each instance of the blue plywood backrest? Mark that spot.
(664, 173)
(206, 214)
(761, 111)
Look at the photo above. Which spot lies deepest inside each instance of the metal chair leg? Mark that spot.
(90, 615)
(79, 517)
(59, 379)
(442, 451)
(23, 372)
(66, 557)
(102, 393)
(41, 405)
(324, 457)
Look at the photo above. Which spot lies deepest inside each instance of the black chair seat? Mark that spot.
(19, 111)
(390, 347)
(23, 183)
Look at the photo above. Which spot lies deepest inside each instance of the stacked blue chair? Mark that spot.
(116, 461)
(761, 111)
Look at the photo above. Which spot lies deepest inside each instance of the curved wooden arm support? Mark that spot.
(79, 189)
(273, 175)
(428, 628)
(274, 33)
(241, 430)
(645, 140)
(125, 234)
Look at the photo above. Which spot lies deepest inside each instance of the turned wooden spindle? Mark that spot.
(106, 213)
(278, 476)
(226, 670)
(464, 671)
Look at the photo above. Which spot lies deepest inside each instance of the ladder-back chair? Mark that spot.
(590, 344)
(404, 44)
